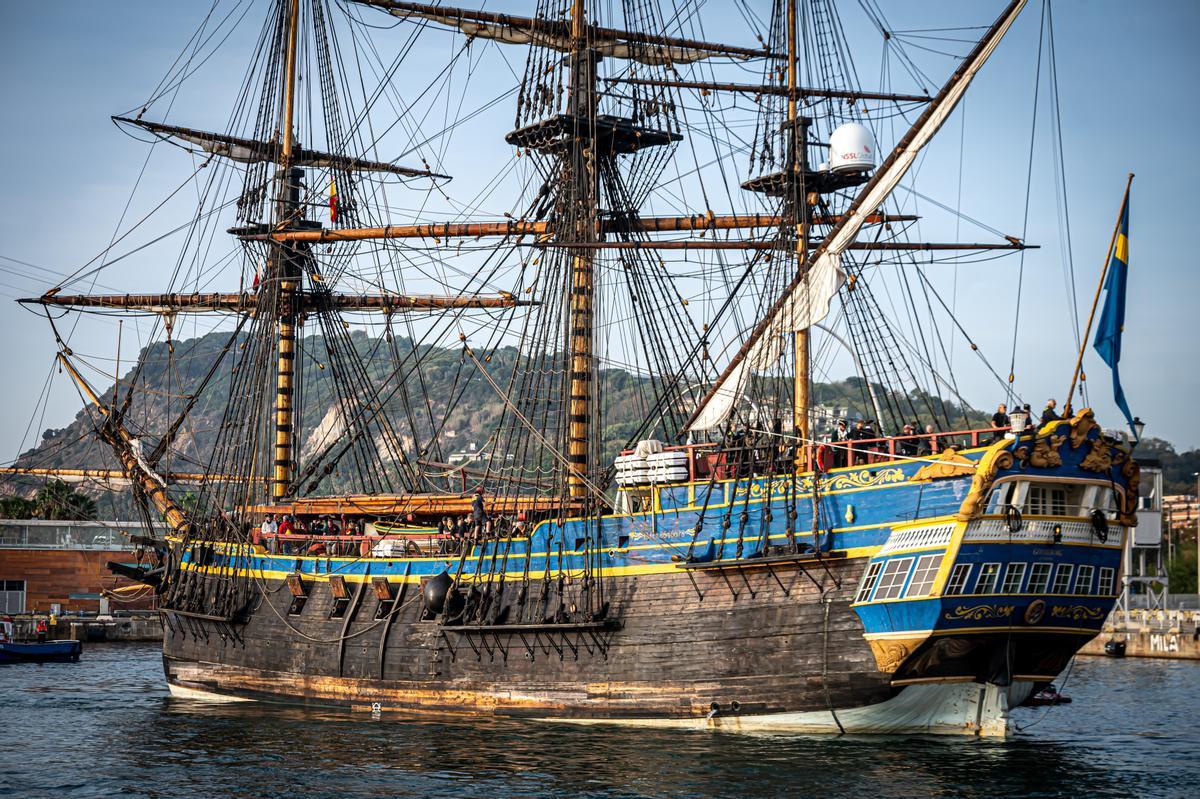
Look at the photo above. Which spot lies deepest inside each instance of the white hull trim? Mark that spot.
(963, 708)
(197, 695)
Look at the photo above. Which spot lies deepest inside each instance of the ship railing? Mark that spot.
(352, 545)
(778, 457)
(862, 452)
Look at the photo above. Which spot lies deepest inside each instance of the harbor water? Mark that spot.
(107, 727)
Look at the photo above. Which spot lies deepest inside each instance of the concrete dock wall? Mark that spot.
(1152, 634)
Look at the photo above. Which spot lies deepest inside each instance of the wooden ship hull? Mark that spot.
(751, 628)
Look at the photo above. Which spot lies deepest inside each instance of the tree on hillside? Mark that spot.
(58, 501)
(1182, 569)
(14, 507)
(1179, 468)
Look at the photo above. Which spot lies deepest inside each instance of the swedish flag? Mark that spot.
(1112, 318)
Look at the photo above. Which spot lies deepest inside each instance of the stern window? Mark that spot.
(958, 579)
(1062, 580)
(892, 580)
(924, 575)
(1039, 578)
(1107, 582)
(1013, 578)
(989, 575)
(868, 582)
(1047, 500)
(1083, 582)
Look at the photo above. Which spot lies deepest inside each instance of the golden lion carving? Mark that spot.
(1099, 458)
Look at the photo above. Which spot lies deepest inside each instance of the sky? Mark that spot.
(1127, 78)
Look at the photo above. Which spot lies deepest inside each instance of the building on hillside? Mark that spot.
(1180, 511)
(825, 419)
(464, 456)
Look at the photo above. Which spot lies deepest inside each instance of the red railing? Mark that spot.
(727, 462)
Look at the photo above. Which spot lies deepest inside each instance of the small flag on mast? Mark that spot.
(1112, 318)
(333, 200)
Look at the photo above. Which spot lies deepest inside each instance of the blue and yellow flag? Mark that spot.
(1112, 318)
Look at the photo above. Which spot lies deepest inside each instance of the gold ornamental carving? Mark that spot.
(1043, 455)
(1133, 474)
(979, 612)
(1099, 457)
(948, 464)
(1083, 423)
(891, 653)
(1076, 613)
(985, 474)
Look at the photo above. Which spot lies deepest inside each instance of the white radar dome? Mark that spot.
(851, 148)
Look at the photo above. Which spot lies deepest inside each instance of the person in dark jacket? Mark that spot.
(1049, 413)
(841, 435)
(907, 445)
(1000, 419)
(478, 513)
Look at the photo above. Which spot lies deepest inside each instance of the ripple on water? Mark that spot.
(107, 726)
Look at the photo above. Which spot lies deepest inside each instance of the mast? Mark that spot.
(582, 208)
(287, 273)
(129, 452)
(799, 200)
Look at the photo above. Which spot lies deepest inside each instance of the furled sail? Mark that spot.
(251, 151)
(807, 299)
(556, 35)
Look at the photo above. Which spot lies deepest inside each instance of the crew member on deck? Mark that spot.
(1000, 419)
(1049, 414)
(42, 631)
(478, 514)
(268, 529)
(841, 435)
(929, 444)
(907, 445)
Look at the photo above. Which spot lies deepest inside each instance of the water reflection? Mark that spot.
(1126, 715)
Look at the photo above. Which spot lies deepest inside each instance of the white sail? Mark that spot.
(807, 302)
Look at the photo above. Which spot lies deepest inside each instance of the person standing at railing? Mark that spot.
(907, 445)
(841, 435)
(267, 530)
(870, 434)
(1000, 419)
(929, 444)
(478, 513)
(858, 433)
(1050, 412)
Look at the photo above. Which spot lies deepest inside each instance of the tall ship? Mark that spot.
(717, 562)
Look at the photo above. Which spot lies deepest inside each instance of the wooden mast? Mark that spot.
(582, 212)
(128, 452)
(799, 140)
(287, 274)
